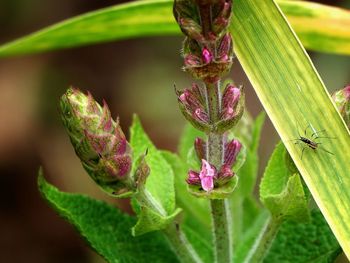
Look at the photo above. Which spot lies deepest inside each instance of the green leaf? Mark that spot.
(224, 191)
(244, 206)
(105, 228)
(304, 243)
(197, 209)
(188, 136)
(201, 243)
(292, 92)
(249, 171)
(149, 221)
(159, 184)
(283, 193)
(249, 238)
(134, 20)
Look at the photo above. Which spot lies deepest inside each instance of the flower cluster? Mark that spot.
(209, 176)
(193, 104)
(208, 48)
(98, 141)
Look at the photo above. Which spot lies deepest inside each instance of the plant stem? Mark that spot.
(220, 210)
(175, 236)
(221, 230)
(264, 241)
(180, 244)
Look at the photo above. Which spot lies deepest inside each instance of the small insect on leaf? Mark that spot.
(311, 141)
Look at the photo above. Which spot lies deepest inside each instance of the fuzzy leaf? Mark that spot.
(159, 184)
(105, 228)
(304, 243)
(282, 193)
(149, 220)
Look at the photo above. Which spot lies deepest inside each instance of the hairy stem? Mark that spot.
(175, 236)
(220, 210)
(180, 244)
(221, 230)
(264, 241)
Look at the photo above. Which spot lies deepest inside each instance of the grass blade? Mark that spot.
(294, 96)
(134, 20)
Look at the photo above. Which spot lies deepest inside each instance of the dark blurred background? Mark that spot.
(133, 76)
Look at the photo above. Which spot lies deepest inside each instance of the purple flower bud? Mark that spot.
(98, 141)
(224, 51)
(192, 61)
(232, 149)
(191, 28)
(201, 115)
(341, 99)
(207, 56)
(207, 174)
(225, 174)
(193, 178)
(200, 148)
(191, 103)
(190, 100)
(220, 22)
(230, 96)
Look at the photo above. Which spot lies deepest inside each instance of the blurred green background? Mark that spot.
(134, 76)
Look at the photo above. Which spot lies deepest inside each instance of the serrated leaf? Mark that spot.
(105, 228)
(133, 20)
(159, 184)
(282, 193)
(304, 243)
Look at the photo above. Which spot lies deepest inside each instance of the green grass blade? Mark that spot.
(152, 18)
(294, 97)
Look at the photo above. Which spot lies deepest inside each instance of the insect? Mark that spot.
(312, 141)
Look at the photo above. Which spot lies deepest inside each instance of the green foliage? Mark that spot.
(196, 209)
(250, 236)
(290, 89)
(244, 206)
(304, 243)
(249, 171)
(133, 20)
(160, 210)
(280, 191)
(105, 228)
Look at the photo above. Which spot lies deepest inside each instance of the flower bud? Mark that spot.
(98, 141)
(200, 148)
(222, 17)
(341, 99)
(224, 175)
(208, 178)
(191, 104)
(207, 56)
(193, 178)
(232, 107)
(225, 49)
(232, 149)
